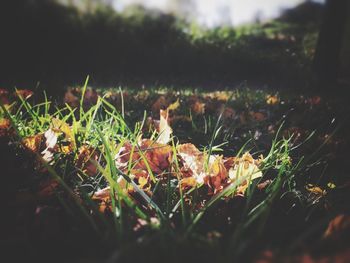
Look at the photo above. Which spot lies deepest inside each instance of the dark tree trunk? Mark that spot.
(326, 60)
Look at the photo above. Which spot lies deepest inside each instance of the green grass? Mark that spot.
(170, 211)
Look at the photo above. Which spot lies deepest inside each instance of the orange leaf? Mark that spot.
(155, 155)
(34, 143)
(5, 127)
(338, 226)
(188, 182)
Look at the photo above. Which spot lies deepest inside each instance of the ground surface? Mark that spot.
(127, 175)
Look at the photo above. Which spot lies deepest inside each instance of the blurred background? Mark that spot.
(208, 43)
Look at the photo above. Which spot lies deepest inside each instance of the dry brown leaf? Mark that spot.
(102, 193)
(61, 126)
(4, 97)
(159, 104)
(24, 93)
(197, 108)
(191, 162)
(217, 173)
(71, 98)
(34, 143)
(155, 154)
(258, 116)
(103, 198)
(337, 227)
(90, 97)
(228, 113)
(188, 182)
(246, 166)
(5, 127)
(47, 188)
(272, 99)
(86, 160)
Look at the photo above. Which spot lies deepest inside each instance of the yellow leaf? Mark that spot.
(315, 189)
(33, 143)
(272, 100)
(173, 106)
(57, 124)
(142, 182)
(188, 182)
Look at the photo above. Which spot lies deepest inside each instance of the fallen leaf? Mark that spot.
(272, 99)
(90, 97)
(34, 143)
(103, 197)
(71, 98)
(154, 155)
(159, 104)
(188, 182)
(217, 173)
(86, 160)
(5, 127)
(315, 190)
(246, 166)
(173, 106)
(102, 193)
(198, 108)
(59, 125)
(47, 188)
(4, 97)
(228, 113)
(24, 93)
(258, 116)
(165, 130)
(191, 162)
(51, 141)
(338, 227)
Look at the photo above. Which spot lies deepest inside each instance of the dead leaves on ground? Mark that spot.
(59, 138)
(190, 166)
(147, 160)
(6, 129)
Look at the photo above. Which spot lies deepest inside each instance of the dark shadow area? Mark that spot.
(56, 45)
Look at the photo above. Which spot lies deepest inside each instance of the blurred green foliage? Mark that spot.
(54, 43)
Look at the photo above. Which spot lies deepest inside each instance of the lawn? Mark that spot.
(150, 174)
